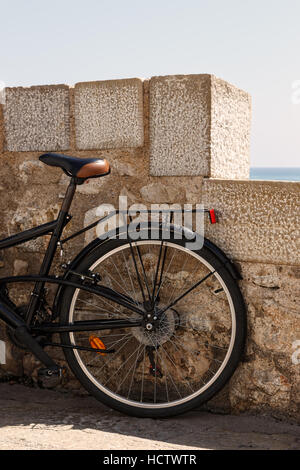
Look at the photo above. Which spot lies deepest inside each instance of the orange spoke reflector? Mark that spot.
(96, 343)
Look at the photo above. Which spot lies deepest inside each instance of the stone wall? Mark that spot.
(181, 139)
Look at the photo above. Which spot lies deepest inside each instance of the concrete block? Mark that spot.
(259, 221)
(230, 131)
(180, 125)
(37, 118)
(199, 125)
(109, 114)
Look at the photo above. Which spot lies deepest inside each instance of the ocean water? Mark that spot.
(275, 173)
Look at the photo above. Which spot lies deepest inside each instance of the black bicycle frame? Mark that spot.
(23, 325)
(7, 313)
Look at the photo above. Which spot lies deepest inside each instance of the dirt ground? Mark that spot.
(42, 419)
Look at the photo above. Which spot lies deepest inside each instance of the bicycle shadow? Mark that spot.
(46, 419)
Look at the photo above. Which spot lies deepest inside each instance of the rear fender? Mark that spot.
(225, 262)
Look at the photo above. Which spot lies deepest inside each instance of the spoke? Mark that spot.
(205, 343)
(172, 294)
(191, 276)
(201, 355)
(165, 276)
(137, 271)
(117, 298)
(118, 272)
(122, 365)
(176, 366)
(200, 377)
(125, 288)
(121, 383)
(96, 307)
(167, 391)
(167, 373)
(128, 306)
(126, 335)
(151, 270)
(137, 356)
(92, 360)
(111, 356)
(163, 264)
(155, 376)
(191, 351)
(144, 273)
(100, 308)
(161, 271)
(186, 292)
(133, 290)
(121, 286)
(111, 306)
(142, 386)
(129, 301)
(156, 273)
(185, 325)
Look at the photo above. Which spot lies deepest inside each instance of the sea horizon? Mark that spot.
(275, 173)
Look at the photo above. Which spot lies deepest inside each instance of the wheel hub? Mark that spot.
(156, 330)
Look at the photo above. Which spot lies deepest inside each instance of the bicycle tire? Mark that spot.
(175, 407)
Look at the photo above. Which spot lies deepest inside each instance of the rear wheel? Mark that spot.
(192, 334)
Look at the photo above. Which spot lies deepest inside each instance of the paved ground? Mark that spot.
(41, 419)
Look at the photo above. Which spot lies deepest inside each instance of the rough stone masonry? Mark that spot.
(172, 139)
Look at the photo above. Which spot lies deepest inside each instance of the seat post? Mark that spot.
(61, 219)
(69, 196)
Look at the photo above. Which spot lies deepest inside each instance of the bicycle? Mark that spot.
(147, 326)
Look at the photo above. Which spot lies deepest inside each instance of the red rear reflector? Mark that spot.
(212, 216)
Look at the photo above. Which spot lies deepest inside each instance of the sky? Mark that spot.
(253, 44)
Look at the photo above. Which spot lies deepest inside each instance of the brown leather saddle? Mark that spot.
(77, 167)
